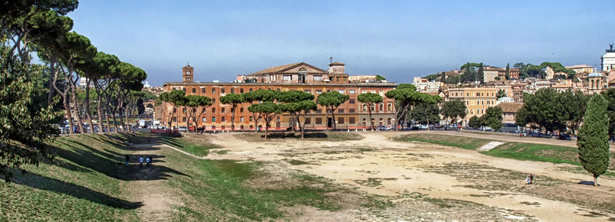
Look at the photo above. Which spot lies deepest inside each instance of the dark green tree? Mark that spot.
(267, 111)
(301, 109)
(176, 98)
(371, 100)
(501, 93)
(404, 95)
(292, 97)
(233, 100)
(26, 119)
(481, 74)
(507, 74)
(331, 101)
(424, 113)
(609, 95)
(259, 95)
(541, 109)
(492, 118)
(453, 110)
(193, 103)
(593, 140)
(475, 122)
(380, 78)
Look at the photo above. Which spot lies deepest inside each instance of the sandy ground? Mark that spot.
(378, 165)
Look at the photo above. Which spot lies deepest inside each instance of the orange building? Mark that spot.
(299, 76)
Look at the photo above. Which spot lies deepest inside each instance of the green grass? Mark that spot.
(220, 184)
(81, 184)
(454, 141)
(536, 152)
(180, 143)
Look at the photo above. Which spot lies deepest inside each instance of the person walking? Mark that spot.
(127, 160)
(147, 161)
(151, 160)
(141, 161)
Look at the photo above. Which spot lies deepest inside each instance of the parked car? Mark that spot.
(183, 129)
(564, 136)
(542, 135)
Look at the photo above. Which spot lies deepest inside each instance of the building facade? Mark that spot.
(299, 76)
(477, 99)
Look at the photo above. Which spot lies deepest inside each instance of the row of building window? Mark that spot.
(223, 91)
(468, 94)
(308, 120)
(241, 110)
(480, 102)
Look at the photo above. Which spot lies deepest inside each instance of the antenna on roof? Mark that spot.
(188, 64)
(331, 59)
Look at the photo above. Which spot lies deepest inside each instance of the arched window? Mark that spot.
(302, 71)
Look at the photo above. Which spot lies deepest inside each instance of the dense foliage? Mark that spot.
(593, 140)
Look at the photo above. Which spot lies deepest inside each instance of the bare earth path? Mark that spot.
(147, 185)
(418, 167)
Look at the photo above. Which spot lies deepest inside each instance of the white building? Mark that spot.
(608, 59)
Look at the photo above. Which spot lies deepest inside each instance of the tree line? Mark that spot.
(35, 97)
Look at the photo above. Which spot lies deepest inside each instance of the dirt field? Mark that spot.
(462, 184)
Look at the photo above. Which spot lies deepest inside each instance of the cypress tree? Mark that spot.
(593, 140)
(507, 74)
(481, 74)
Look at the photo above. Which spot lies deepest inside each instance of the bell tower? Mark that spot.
(187, 73)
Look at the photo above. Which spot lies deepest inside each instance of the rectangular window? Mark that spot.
(213, 110)
(232, 90)
(317, 77)
(341, 91)
(251, 118)
(213, 119)
(183, 119)
(213, 90)
(308, 120)
(213, 100)
(223, 119)
(351, 110)
(308, 91)
(250, 89)
(351, 101)
(351, 120)
(340, 110)
(241, 119)
(318, 91)
(241, 90)
(184, 110)
(340, 120)
(222, 90)
(204, 119)
(174, 119)
(363, 91)
(319, 111)
(222, 111)
(318, 120)
(240, 110)
(202, 90)
(286, 78)
(352, 91)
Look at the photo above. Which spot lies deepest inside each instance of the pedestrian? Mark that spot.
(151, 160)
(141, 161)
(529, 179)
(147, 161)
(127, 160)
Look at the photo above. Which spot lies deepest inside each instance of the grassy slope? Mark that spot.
(216, 190)
(518, 151)
(81, 184)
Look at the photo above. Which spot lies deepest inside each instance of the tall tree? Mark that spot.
(454, 109)
(301, 108)
(424, 113)
(331, 101)
(507, 74)
(259, 95)
(25, 115)
(291, 97)
(404, 95)
(233, 100)
(267, 111)
(541, 108)
(193, 103)
(371, 100)
(428, 100)
(609, 95)
(481, 74)
(176, 98)
(593, 140)
(492, 118)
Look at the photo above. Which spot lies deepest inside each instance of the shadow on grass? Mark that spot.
(40, 182)
(83, 158)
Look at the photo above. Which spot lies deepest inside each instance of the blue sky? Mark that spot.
(396, 39)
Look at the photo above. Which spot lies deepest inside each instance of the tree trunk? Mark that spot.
(76, 108)
(426, 117)
(87, 105)
(596, 180)
(100, 113)
(369, 110)
(333, 119)
(233, 118)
